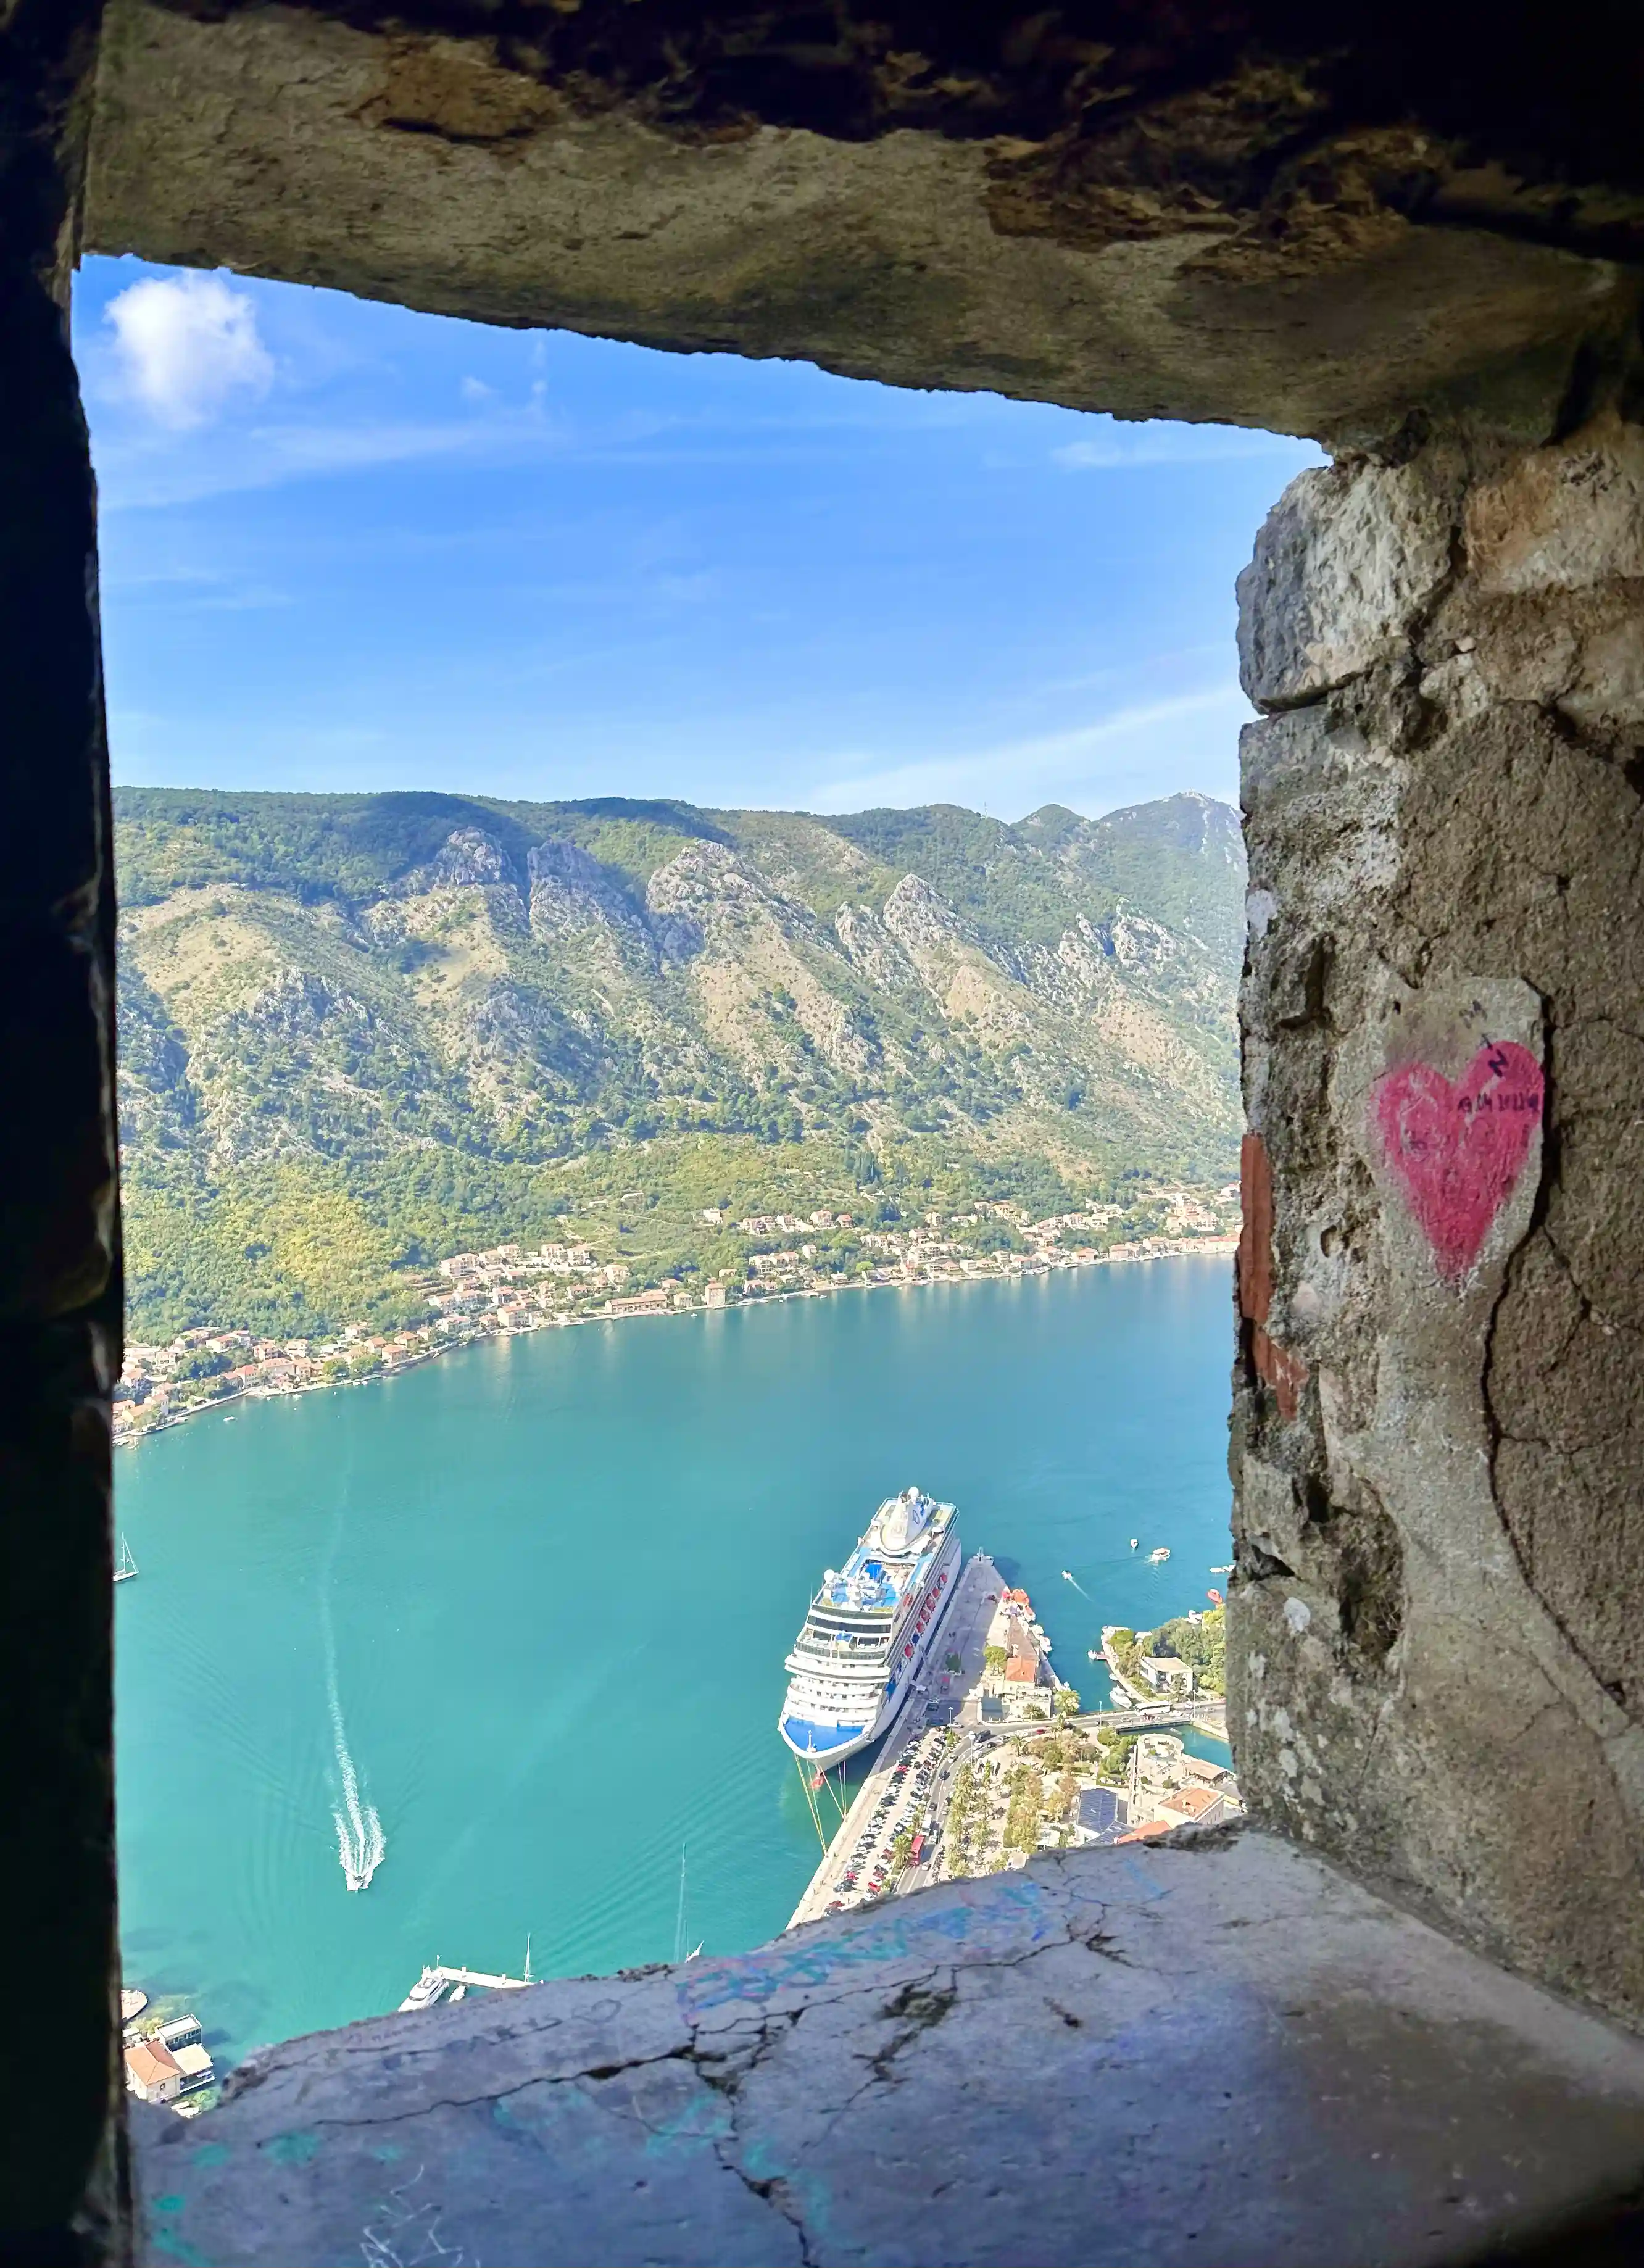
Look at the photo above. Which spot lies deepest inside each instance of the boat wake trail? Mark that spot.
(361, 1847)
(1079, 1586)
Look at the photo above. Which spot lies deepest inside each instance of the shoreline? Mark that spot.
(1164, 1249)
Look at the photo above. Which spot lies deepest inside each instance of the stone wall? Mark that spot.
(1438, 1613)
(1312, 222)
(60, 1299)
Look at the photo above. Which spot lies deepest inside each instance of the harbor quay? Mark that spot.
(915, 1743)
(983, 1767)
(987, 1667)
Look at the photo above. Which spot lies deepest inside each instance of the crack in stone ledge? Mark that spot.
(722, 2057)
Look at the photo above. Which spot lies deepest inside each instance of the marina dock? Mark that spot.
(437, 1980)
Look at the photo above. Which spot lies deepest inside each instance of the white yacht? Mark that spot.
(868, 1630)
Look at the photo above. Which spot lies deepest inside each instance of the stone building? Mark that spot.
(1415, 235)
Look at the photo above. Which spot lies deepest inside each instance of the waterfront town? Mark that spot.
(508, 1289)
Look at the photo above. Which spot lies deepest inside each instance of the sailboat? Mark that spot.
(125, 1566)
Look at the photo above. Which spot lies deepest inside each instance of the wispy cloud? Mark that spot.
(1017, 774)
(1117, 447)
(141, 469)
(137, 472)
(196, 589)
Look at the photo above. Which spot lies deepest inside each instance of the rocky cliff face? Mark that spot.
(437, 991)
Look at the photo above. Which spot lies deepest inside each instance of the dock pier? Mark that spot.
(437, 1980)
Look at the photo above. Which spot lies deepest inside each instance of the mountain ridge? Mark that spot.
(444, 1016)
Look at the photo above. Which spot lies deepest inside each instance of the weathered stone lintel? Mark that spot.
(926, 220)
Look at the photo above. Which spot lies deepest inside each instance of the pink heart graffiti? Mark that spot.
(1458, 1149)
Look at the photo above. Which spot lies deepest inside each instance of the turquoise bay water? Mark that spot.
(550, 1582)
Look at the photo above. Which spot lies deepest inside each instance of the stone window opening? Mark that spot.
(1418, 244)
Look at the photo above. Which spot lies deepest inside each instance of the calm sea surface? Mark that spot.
(536, 1597)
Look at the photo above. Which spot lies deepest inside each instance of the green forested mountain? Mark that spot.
(360, 1032)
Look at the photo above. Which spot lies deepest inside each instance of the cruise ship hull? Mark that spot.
(821, 1727)
(827, 1745)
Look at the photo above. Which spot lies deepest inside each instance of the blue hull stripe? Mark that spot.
(818, 1740)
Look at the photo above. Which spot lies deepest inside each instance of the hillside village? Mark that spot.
(507, 1289)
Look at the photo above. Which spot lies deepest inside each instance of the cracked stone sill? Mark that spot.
(1217, 2049)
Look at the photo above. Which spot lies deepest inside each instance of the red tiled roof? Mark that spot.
(150, 2061)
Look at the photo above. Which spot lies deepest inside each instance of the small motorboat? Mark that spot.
(1134, 1541)
(1156, 1559)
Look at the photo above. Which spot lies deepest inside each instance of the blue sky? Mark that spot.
(347, 546)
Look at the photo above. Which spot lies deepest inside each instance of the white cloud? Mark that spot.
(1110, 761)
(186, 344)
(475, 389)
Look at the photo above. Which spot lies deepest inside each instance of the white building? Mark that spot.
(1164, 1674)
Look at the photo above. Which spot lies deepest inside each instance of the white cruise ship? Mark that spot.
(869, 1627)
